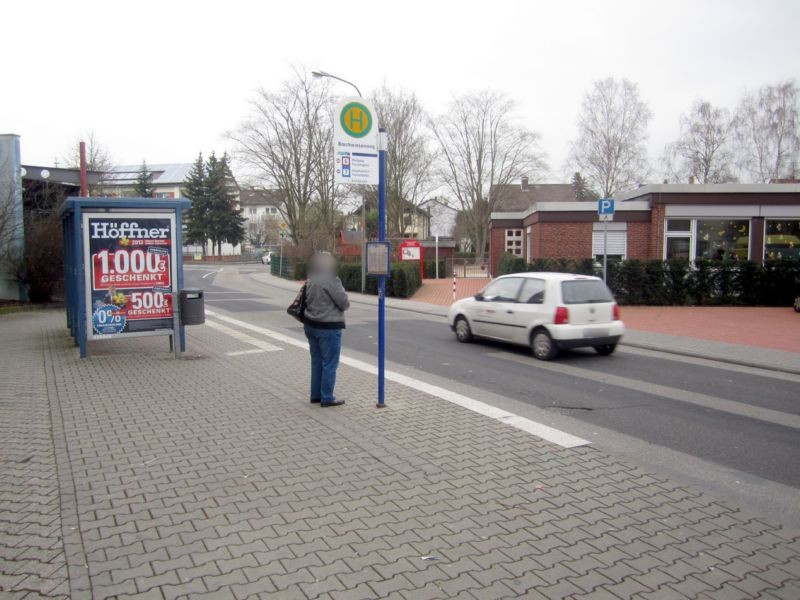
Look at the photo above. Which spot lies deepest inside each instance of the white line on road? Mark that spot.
(704, 400)
(545, 432)
(243, 352)
(211, 273)
(242, 337)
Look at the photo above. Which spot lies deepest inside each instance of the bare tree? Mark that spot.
(11, 228)
(263, 231)
(612, 129)
(281, 146)
(703, 151)
(482, 148)
(767, 126)
(98, 158)
(325, 216)
(408, 157)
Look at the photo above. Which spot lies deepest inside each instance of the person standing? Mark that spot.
(326, 303)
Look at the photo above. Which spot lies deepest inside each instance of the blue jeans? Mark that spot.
(325, 346)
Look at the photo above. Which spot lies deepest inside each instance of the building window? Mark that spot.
(164, 195)
(782, 239)
(514, 241)
(722, 238)
(679, 248)
(616, 244)
(715, 239)
(253, 211)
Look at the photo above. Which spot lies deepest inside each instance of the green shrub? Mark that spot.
(430, 269)
(300, 272)
(676, 281)
(511, 264)
(403, 281)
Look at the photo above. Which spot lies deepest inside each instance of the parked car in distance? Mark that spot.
(546, 311)
(266, 258)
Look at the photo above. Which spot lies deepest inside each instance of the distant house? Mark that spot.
(262, 209)
(167, 179)
(442, 216)
(416, 219)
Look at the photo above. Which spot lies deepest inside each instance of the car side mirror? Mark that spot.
(479, 297)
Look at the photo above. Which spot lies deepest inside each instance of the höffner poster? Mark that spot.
(130, 280)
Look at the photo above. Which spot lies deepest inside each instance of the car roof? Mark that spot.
(546, 275)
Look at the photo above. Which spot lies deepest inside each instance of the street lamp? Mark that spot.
(320, 75)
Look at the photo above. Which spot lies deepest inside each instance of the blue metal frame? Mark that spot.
(381, 278)
(71, 213)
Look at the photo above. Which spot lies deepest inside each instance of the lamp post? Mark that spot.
(320, 75)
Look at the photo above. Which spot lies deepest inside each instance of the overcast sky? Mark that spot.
(164, 80)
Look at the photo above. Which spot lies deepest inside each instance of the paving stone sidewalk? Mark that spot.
(214, 477)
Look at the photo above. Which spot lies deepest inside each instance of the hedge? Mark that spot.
(430, 269)
(678, 282)
(403, 281)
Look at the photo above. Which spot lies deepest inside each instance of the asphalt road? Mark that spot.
(732, 430)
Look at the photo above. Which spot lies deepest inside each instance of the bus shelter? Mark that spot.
(123, 268)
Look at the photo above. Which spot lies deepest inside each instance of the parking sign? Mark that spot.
(605, 208)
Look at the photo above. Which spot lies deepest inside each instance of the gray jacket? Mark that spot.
(326, 301)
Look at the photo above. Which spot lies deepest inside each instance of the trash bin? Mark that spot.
(193, 310)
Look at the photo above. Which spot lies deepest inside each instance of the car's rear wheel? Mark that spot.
(605, 349)
(463, 330)
(542, 345)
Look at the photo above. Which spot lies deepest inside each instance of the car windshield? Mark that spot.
(585, 291)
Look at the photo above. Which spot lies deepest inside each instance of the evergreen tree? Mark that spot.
(224, 218)
(195, 187)
(582, 190)
(143, 187)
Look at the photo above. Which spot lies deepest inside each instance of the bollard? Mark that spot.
(454, 286)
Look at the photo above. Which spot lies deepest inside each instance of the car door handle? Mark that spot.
(509, 311)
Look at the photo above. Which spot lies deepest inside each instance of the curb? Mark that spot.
(715, 358)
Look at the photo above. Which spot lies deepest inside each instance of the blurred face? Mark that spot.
(323, 264)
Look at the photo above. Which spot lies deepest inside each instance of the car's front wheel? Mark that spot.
(463, 331)
(542, 345)
(605, 349)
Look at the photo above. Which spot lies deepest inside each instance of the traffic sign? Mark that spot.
(605, 208)
(355, 142)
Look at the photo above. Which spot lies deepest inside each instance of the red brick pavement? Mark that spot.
(777, 328)
(440, 291)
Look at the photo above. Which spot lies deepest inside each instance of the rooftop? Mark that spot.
(518, 197)
(260, 197)
(163, 174)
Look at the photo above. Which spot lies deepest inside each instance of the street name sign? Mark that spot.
(355, 142)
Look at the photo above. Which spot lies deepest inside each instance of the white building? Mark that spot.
(262, 209)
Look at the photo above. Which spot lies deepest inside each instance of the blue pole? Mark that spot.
(381, 279)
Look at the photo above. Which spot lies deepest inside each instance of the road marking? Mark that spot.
(243, 352)
(242, 337)
(211, 273)
(545, 432)
(713, 402)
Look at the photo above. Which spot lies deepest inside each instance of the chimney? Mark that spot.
(524, 184)
(691, 179)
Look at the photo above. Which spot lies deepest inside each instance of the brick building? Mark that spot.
(739, 221)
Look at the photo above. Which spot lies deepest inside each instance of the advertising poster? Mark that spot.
(130, 279)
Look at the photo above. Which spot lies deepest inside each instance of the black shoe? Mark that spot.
(315, 401)
(334, 403)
